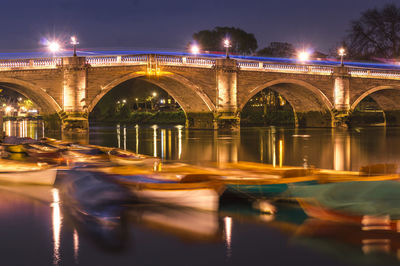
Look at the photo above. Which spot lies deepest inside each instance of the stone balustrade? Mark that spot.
(197, 61)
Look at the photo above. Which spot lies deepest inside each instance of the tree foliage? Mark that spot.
(278, 49)
(375, 34)
(212, 40)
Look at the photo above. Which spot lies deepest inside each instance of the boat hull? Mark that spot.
(36, 177)
(202, 199)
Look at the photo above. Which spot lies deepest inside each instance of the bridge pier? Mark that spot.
(341, 96)
(200, 120)
(227, 116)
(74, 115)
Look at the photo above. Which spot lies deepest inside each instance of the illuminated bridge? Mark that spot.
(211, 89)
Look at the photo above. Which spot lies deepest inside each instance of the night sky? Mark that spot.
(169, 25)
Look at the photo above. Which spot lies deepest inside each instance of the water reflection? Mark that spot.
(228, 235)
(24, 128)
(76, 245)
(57, 222)
(186, 223)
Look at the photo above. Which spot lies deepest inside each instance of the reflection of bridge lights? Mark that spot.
(155, 140)
(57, 222)
(228, 234)
(137, 138)
(76, 246)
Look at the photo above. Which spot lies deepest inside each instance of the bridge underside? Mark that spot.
(45, 104)
(389, 100)
(309, 110)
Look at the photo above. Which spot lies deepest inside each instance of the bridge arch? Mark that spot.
(387, 97)
(390, 103)
(304, 98)
(40, 97)
(188, 95)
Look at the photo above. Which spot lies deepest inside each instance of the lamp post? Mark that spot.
(227, 45)
(74, 42)
(342, 53)
(195, 49)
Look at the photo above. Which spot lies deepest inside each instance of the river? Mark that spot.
(37, 230)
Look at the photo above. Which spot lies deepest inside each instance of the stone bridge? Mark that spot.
(212, 91)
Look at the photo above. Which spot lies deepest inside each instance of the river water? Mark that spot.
(36, 229)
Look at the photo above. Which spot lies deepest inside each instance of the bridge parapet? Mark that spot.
(374, 73)
(21, 64)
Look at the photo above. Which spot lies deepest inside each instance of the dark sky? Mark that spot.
(163, 24)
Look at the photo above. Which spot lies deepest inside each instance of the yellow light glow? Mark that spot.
(195, 49)
(74, 40)
(57, 222)
(342, 52)
(280, 153)
(54, 47)
(76, 245)
(227, 43)
(228, 234)
(303, 56)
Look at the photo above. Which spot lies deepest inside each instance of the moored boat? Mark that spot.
(123, 157)
(374, 202)
(196, 194)
(27, 173)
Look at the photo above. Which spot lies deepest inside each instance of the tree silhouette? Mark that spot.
(212, 40)
(376, 34)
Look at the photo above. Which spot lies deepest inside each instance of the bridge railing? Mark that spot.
(9, 64)
(374, 73)
(197, 61)
(292, 68)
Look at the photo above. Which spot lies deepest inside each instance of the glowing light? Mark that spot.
(124, 137)
(119, 136)
(195, 49)
(123, 101)
(342, 52)
(179, 142)
(57, 221)
(74, 40)
(8, 109)
(137, 138)
(155, 140)
(280, 153)
(227, 43)
(76, 246)
(154, 94)
(54, 46)
(303, 56)
(228, 234)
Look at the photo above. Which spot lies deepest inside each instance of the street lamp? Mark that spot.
(303, 56)
(74, 42)
(195, 49)
(154, 94)
(54, 46)
(227, 45)
(342, 53)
